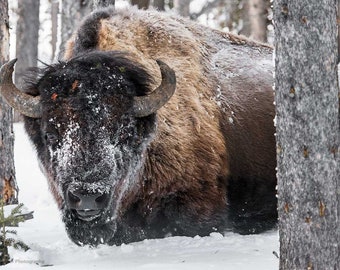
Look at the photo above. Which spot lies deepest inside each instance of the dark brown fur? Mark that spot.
(214, 147)
(197, 147)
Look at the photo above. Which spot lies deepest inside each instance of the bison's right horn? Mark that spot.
(146, 105)
(26, 104)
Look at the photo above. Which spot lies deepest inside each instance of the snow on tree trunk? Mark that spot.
(8, 187)
(307, 122)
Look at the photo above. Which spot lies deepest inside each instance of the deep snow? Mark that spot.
(51, 247)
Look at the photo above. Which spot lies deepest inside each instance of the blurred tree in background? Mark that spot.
(251, 18)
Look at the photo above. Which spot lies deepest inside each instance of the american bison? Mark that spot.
(153, 125)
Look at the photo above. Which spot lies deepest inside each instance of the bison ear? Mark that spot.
(26, 104)
(146, 105)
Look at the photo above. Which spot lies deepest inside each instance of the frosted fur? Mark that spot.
(203, 162)
(69, 149)
(69, 152)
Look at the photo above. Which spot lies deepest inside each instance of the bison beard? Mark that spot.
(89, 232)
(126, 158)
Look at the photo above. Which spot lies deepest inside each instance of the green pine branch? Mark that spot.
(13, 219)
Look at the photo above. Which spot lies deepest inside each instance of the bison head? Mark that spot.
(91, 119)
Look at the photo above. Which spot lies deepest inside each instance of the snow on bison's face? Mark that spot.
(93, 123)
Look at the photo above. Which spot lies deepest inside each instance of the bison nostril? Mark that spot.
(87, 205)
(73, 198)
(101, 199)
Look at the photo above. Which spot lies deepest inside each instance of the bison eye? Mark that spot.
(51, 138)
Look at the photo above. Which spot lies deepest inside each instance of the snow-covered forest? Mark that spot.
(45, 235)
(233, 16)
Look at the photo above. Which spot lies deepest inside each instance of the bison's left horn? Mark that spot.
(26, 104)
(146, 105)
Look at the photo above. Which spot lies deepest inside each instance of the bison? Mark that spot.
(153, 125)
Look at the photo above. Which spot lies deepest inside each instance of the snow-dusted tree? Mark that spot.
(27, 34)
(8, 186)
(6, 235)
(307, 121)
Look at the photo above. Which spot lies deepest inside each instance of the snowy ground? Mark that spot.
(51, 247)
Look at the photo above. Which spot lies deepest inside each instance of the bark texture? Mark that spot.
(54, 27)
(159, 4)
(27, 37)
(307, 103)
(8, 187)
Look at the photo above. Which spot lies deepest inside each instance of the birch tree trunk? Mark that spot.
(307, 104)
(8, 186)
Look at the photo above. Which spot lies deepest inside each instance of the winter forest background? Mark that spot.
(38, 30)
(57, 21)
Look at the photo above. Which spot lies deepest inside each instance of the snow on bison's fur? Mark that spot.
(153, 125)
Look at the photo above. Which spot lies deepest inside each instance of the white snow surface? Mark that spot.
(50, 246)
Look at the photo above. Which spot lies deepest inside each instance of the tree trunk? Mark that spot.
(307, 104)
(72, 13)
(159, 4)
(102, 3)
(258, 10)
(27, 35)
(142, 4)
(246, 27)
(182, 7)
(54, 30)
(338, 23)
(8, 186)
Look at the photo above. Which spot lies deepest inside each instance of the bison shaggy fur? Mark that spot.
(203, 162)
